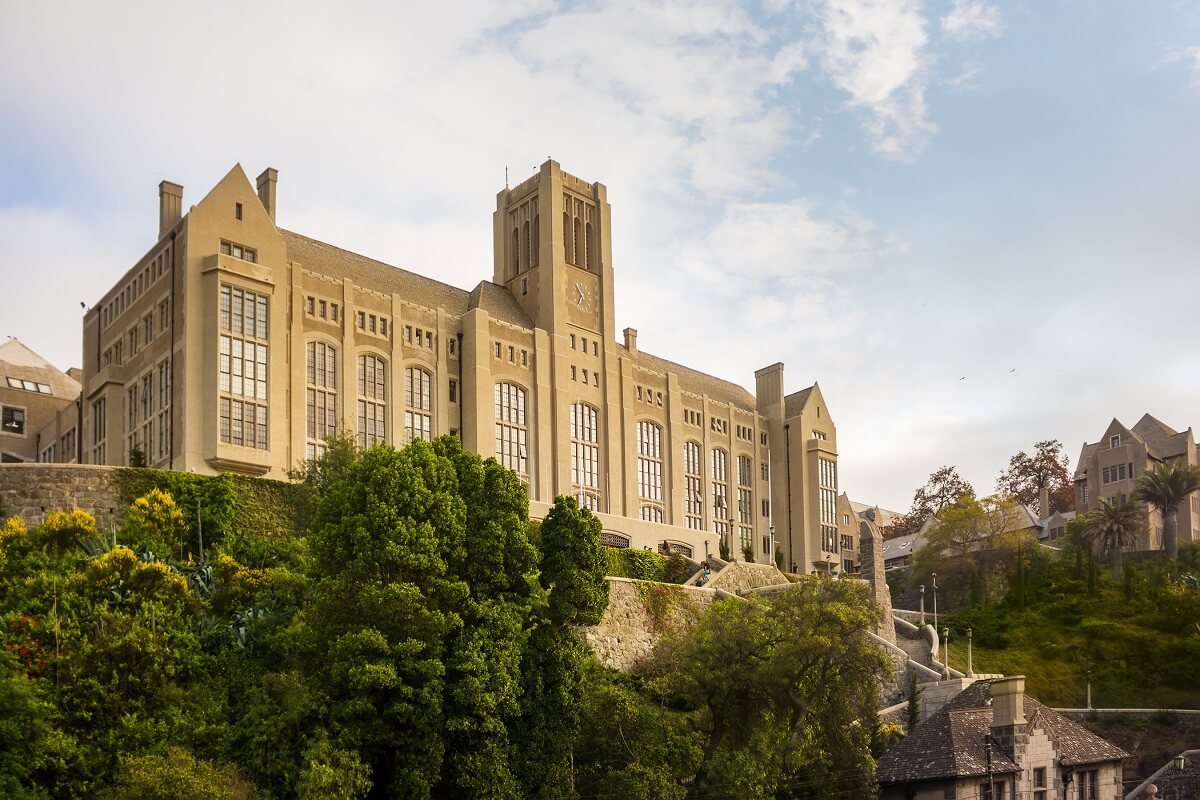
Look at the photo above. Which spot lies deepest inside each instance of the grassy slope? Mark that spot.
(1139, 638)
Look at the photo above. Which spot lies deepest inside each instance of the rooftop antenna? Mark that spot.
(506, 176)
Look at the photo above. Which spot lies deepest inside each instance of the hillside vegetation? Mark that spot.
(1066, 617)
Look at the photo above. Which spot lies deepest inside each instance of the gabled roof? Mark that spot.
(794, 403)
(951, 743)
(375, 275)
(20, 363)
(499, 303)
(882, 517)
(1161, 440)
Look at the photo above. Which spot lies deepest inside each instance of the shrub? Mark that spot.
(677, 569)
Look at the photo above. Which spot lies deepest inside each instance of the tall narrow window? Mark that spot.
(649, 443)
(721, 511)
(164, 408)
(372, 400)
(516, 252)
(537, 242)
(525, 234)
(320, 377)
(511, 430)
(590, 243)
(99, 430)
(693, 491)
(418, 421)
(579, 243)
(242, 366)
(827, 480)
(568, 250)
(585, 455)
(745, 476)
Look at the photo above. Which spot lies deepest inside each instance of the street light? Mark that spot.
(935, 601)
(922, 604)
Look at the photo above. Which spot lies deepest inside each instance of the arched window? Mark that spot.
(511, 431)
(693, 491)
(579, 243)
(525, 233)
(649, 444)
(537, 242)
(516, 252)
(568, 250)
(585, 455)
(372, 400)
(320, 395)
(418, 422)
(721, 511)
(591, 246)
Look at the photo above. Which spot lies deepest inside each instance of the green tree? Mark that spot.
(1114, 525)
(1165, 486)
(572, 576)
(176, 774)
(944, 488)
(786, 687)
(1046, 468)
(968, 542)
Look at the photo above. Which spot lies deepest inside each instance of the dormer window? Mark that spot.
(1114, 441)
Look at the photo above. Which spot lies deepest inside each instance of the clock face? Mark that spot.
(581, 296)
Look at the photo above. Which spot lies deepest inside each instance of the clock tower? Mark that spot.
(553, 252)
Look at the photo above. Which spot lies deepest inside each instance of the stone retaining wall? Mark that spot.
(740, 577)
(31, 491)
(629, 631)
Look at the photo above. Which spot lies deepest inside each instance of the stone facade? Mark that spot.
(741, 578)
(629, 631)
(870, 544)
(31, 491)
(236, 345)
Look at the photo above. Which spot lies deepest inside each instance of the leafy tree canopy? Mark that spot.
(1028, 473)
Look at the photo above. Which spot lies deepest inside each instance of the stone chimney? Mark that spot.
(266, 190)
(1008, 716)
(1044, 502)
(170, 206)
(631, 340)
(870, 555)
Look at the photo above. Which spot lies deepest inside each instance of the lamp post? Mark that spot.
(970, 666)
(733, 553)
(946, 656)
(935, 601)
(922, 604)
(771, 533)
(1089, 689)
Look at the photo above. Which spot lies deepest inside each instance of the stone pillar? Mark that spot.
(870, 548)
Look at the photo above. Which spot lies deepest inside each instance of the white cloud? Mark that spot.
(972, 19)
(1185, 55)
(875, 51)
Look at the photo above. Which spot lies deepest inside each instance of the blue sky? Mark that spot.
(975, 223)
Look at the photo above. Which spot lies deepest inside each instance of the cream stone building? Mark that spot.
(236, 345)
(1111, 467)
(39, 407)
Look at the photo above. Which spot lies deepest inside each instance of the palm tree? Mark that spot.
(1166, 486)
(1113, 526)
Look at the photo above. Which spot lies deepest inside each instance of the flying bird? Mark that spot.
(963, 378)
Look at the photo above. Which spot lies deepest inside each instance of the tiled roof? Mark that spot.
(885, 516)
(702, 383)
(371, 274)
(20, 363)
(794, 403)
(951, 742)
(499, 303)
(1161, 439)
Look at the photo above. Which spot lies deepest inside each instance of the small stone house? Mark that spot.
(993, 741)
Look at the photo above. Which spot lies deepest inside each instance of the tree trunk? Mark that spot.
(1117, 562)
(1170, 532)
